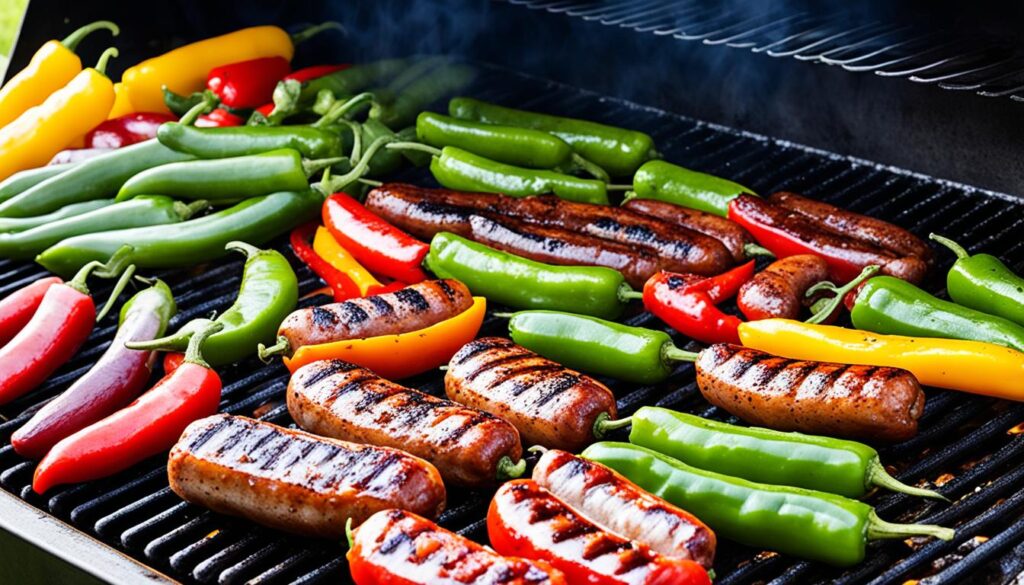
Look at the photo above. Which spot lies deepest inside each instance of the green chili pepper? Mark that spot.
(674, 184)
(616, 150)
(984, 283)
(23, 180)
(591, 344)
(805, 523)
(227, 179)
(421, 93)
(519, 282)
(257, 220)
(269, 292)
(20, 224)
(354, 79)
(151, 210)
(892, 306)
(836, 466)
(247, 140)
(96, 178)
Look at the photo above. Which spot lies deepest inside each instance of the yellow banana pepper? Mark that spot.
(122, 103)
(51, 68)
(331, 251)
(970, 366)
(42, 131)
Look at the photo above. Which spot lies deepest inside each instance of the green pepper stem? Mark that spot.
(193, 353)
(337, 111)
(357, 138)
(508, 469)
(349, 534)
(239, 246)
(312, 167)
(119, 287)
(592, 169)
(282, 347)
(503, 315)
(614, 187)
(752, 250)
(105, 57)
(604, 423)
(878, 476)
(822, 311)
(957, 249)
(879, 529)
(187, 210)
(671, 353)
(370, 182)
(417, 146)
(166, 343)
(209, 102)
(334, 184)
(113, 267)
(628, 196)
(630, 295)
(308, 33)
(72, 40)
(537, 449)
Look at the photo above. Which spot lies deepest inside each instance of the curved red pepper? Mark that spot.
(17, 308)
(379, 246)
(172, 360)
(247, 84)
(314, 72)
(126, 130)
(686, 302)
(144, 428)
(219, 118)
(341, 285)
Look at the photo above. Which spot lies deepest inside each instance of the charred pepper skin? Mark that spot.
(671, 183)
(984, 282)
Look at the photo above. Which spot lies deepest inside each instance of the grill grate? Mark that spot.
(966, 444)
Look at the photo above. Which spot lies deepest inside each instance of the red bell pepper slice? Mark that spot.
(247, 84)
(219, 118)
(126, 130)
(314, 72)
(379, 246)
(17, 308)
(686, 302)
(341, 285)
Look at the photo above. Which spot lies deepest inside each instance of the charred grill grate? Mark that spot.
(969, 445)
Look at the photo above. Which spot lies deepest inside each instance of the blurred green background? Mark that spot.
(10, 18)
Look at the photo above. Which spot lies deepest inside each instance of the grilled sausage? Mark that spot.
(415, 210)
(296, 481)
(779, 289)
(550, 404)
(811, 397)
(526, 519)
(394, 546)
(413, 307)
(731, 234)
(855, 225)
(344, 401)
(853, 252)
(607, 499)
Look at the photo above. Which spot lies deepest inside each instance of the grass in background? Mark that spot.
(10, 18)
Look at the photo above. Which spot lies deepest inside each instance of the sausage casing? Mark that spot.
(779, 289)
(732, 235)
(550, 404)
(296, 481)
(811, 397)
(341, 400)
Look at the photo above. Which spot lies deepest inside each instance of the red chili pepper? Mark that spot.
(219, 118)
(342, 287)
(379, 246)
(247, 84)
(314, 72)
(17, 308)
(126, 130)
(266, 109)
(686, 302)
(172, 360)
(147, 427)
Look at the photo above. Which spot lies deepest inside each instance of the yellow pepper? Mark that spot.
(52, 67)
(970, 366)
(330, 250)
(399, 356)
(122, 103)
(42, 131)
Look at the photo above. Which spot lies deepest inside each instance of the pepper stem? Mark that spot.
(370, 182)
(337, 111)
(671, 353)
(604, 423)
(615, 187)
(209, 102)
(312, 167)
(822, 311)
(628, 196)
(357, 139)
(957, 249)
(105, 57)
(630, 295)
(878, 476)
(114, 266)
(280, 348)
(592, 169)
(508, 469)
(417, 146)
(239, 246)
(193, 353)
(752, 250)
(335, 184)
(167, 343)
(119, 287)
(503, 315)
(308, 33)
(349, 534)
(187, 210)
(72, 40)
(879, 529)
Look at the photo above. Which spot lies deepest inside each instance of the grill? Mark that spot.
(972, 447)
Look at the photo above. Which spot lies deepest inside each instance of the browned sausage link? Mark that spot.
(341, 400)
(607, 499)
(413, 209)
(296, 481)
(731, 234)
(779, 290)
(811, 397)
(413, 307)
(550, 404)
(855, 225)
(857, 253)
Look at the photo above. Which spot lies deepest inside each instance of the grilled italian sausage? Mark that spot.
(855, 225)
(296, 481)
(732, 235)
(811, 397)
(414, 210)
(413, 307)
(341, 400)
(394, 546)
(527, 520)
(550, 404)
(607, 499)
(779, 289)
(853, 253)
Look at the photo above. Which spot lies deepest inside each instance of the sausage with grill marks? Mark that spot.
(397, 547)
(414, 307)
(550, 404)
(344, 401)
(607, 499)
(811, 397)
(779, 290)
(295, 481)
(729, 233)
